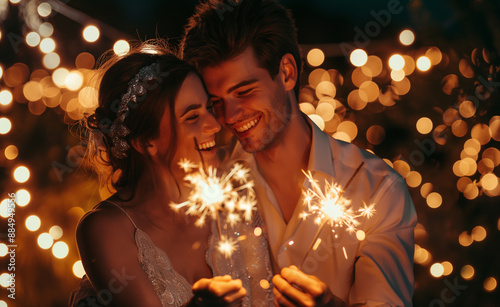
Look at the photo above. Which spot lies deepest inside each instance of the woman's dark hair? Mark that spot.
(143, 119)
(220, 30)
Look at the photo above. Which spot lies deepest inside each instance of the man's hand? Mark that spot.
(295, 288)
(218, 291)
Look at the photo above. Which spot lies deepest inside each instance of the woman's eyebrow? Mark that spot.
(191, 107)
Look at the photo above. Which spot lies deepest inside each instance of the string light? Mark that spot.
(91, 34)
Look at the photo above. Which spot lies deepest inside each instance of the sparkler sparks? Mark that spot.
(231, 193)
(330, 207)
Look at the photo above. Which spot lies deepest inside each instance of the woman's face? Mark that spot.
(194, 121)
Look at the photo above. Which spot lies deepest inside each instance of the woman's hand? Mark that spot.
(218, 291)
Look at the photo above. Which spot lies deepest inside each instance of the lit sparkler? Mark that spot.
(330, 207)
(231, 193)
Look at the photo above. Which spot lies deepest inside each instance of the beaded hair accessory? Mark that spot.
(137, 87)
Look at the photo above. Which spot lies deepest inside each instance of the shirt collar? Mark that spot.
(321, 155)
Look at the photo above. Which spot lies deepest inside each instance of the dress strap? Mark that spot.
(119, 207)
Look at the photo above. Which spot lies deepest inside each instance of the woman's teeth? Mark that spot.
(247, 126)
(207, 145)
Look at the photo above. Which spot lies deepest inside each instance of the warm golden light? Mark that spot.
(414, 179)
(60, 250)
(85, 60)
(437, 270)
(421, 256)
(424, 125)
(402, 168)
(434, 55)
(264, 284)
(490, 284)
(15, 1)
(406, 37)
(307, 108)
(46, 29)
(33, 223)
(3, 249)
(45, 241)
(489, 181)
(56, 232)
(318, 121)
(360, 235)
(326, 110)
(467, 272)
(471, 191)
(358, 57)
(21, 174)
(325, 89)
(423, 63)
(91, 34)
(481, 132)
(426, 189)
(369, 91)
(434, 200)
(396, 62)
(355, 101)
(478, 233)
(349, 128)
(397, 75)
(23, 197)
(11, 152)
(448, 268)
(257, 231)
(74, 80)
(466, 69)
(51, 60)
(59, 77)
(5, 97)
(375, 135)
(78, 269)
(5, 125)
(33, 39)
(121, 47)
(409, 65)
(401, 87)
(342, 136)
(4, 280)
(315, 57)
(44, 9)
(47, 45)
(373, 66)
(4, 205)
(459, 128)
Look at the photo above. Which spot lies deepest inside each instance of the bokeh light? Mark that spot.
(437, 270)
(78, 269)
(44, 9)
(121, 47)
(47, 45)
(46, 29)
(434, 200)
(33, 223)
(315, 57)
(21, 174)
(91, 34)
(45, 240)
(423, 63)
(74, 80)
(478, 233)
(33, 39)
(5, 125)
(51, 60)
(447, 268)
(358, 57)
(406, 37)
(23, 197)
(5, 97)
(60, 250)
(490, 284)
(56, 232)
(396, 62)
(467, 272)
(11, 152)
(424, 125)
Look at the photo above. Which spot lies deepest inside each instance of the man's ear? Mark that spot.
(288, 69)
(144, 147)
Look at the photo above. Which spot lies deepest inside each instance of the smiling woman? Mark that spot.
(152, 106)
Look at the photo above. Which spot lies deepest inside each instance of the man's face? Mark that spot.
(247, 101)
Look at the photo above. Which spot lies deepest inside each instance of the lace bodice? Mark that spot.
(250, 263)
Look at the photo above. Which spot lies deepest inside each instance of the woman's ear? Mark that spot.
(144, 147)
(288, 68)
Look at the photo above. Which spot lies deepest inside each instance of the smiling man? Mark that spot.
(248, 55)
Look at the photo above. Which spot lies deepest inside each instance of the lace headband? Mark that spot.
(137, 87)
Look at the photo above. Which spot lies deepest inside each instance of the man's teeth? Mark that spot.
(247, 126)
(206, 145)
